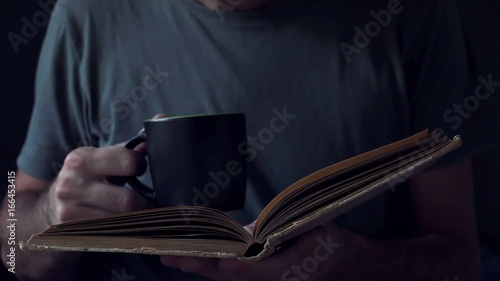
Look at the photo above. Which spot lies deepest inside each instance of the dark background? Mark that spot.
(481, 22)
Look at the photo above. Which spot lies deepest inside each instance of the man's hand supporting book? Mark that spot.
(445, 249)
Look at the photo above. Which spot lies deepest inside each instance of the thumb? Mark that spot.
(143, 147)
(157, 116)
(160, 115)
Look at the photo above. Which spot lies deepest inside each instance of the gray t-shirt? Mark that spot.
(319, 81)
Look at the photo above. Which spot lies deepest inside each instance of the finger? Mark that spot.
(72, 212)
(143, 146)
(316, 244)
(226, 269)
(114, 199)
(208, 267)
(161, 115)
(250, 227)
(157, 116)
(106, 161)
(270, 268)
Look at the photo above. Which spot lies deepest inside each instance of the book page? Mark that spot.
(336, 169)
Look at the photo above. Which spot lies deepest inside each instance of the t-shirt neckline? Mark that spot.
(285, 8)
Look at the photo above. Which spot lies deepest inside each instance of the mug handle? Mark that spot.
(133, 181)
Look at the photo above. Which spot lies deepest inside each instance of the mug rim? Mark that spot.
(168, 118)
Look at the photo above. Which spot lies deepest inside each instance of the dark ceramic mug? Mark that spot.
(194, 160)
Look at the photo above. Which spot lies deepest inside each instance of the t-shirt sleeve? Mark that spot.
(440, 78)
(57, 121)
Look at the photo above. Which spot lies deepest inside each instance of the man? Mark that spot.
(320, 81)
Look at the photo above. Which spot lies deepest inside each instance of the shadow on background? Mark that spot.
(482, 25)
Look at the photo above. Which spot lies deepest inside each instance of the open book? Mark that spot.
(306, 204)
